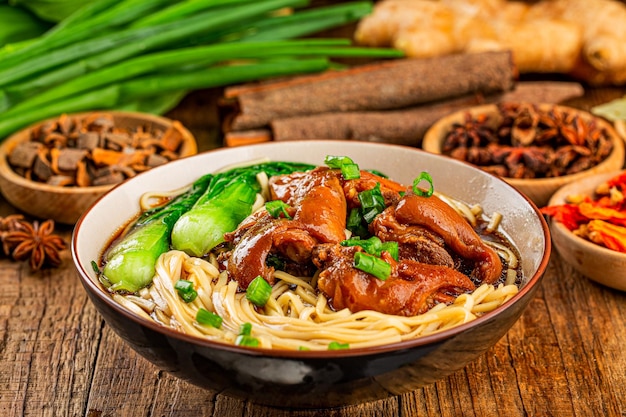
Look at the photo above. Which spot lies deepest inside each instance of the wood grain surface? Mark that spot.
(564, 357)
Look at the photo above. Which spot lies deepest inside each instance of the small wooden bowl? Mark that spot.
(66, 204)
(600, 264)
(539, 190)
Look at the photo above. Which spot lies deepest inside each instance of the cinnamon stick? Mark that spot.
(380, 86)
(403, 127)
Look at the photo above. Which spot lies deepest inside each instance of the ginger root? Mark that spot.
(583, 38)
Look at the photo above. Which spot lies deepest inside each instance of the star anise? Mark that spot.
(531, 141)
(473, 132)
(33, 241)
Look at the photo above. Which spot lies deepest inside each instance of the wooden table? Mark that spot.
(565, 356)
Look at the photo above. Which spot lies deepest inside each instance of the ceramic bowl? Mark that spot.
(600, 264)
(539, 190)
(65, 204)
(316, 379)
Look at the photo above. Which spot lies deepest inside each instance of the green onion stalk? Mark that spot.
(147, 55)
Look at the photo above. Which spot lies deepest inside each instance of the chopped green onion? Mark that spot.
(245, 329)
(208, 318)
(355, 223)
(337, 161)
(376, 172)
(372, 265)
(303, 348)
(373, 246)
(392, 248)
(249, 341)
(338, 346)
(349, 169)
(424, 176)
(276, 208)
(95, 267)
(259, 291)
(372, 203)
(244, 338)
(185, 290)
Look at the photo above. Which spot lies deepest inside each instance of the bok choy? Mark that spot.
(130, 262)
(194, 222)
(228, 200)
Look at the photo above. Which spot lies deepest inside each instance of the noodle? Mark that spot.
(295, 319)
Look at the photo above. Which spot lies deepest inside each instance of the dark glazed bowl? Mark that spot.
(317, 379)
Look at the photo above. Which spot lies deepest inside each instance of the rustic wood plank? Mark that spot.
(584, 348)
(123, 382)
(49, 330)
(179, 398)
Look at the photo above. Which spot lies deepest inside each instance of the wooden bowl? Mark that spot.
(65, 204)
(600, 264)
(539, 190)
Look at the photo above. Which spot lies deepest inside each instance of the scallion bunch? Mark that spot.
(146, 55)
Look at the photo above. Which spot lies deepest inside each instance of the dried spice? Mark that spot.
(528, 141)
(92, 150)
(599, 218)
(377, 86)
(35, 242)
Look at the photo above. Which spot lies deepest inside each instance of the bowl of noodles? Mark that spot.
(312, 274)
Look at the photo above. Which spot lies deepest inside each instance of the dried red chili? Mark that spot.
(600, 218)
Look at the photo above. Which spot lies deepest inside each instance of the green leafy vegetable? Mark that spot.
(130, 265)
(130, 262)
(227, 201)
(202, 228)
